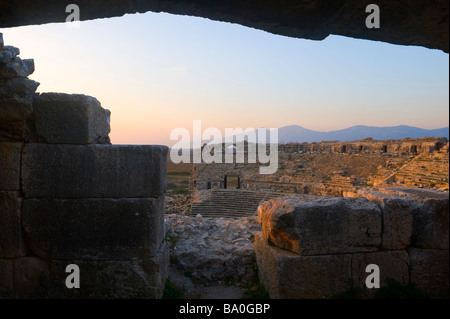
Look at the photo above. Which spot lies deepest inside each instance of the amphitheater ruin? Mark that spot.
(67, 196)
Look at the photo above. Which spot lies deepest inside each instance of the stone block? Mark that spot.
(17, 68)
(15, 131)
(95, 229)
(17, 87)
(8, 53)
(15, 108)
(286, 275)
(12, 242)
(35, 277)
(6, 278)
(430, 224)
(310, 225)
(397, 218)
(1, 42)
(429, 270)
(71, 119)
(393, 264)
(10, 154)
(93, 171)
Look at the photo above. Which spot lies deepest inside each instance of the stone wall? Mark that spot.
(319, 247)
(67, 196)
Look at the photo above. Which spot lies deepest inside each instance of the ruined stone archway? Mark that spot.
(405, 22)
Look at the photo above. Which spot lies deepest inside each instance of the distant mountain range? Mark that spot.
(296, 133)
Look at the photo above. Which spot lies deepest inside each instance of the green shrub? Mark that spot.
(171, 291)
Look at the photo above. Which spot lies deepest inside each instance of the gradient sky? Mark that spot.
(157, 72)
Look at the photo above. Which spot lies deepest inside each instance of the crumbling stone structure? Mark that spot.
(67, 196)
(319, 247)
(329, 168)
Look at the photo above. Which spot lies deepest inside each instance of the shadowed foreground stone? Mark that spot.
(430, 225)
(142, 278)
(407, 22)
(15, 108)
(94, 229)
(6, 278)
(430, 269)
(288, 275)
(93, 171)
(12, 243)
(309, 225)
(17, 68)
(10, 166)
(71, 119)
(393, 264)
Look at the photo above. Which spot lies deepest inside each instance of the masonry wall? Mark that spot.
(67, 196)
(319, 247)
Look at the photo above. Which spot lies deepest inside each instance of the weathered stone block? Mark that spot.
(286, 275)
(430, 224)
(17, 68)
(397, 218)
(6, 278)
(10, 154)
(35, 277)
(71, 119)
(429, 270)
(95, 229)
(15, 108)
(310, 225)
(393, 264)
(93, 171)
(8, 53)
(15, 131)
(12, 243)
(18, 87)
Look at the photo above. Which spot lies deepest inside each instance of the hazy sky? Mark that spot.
(157, 72)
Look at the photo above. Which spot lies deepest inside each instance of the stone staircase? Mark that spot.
(231, 203)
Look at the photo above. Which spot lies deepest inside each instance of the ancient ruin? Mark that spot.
(67, 196)
(345, 204)
(326, 168)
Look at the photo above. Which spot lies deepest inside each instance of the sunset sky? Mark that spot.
(158, 72)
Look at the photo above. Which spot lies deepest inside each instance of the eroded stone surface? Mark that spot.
(93, 171)
(289, 276)
(397, 217)
(35, 277)
(95, 229)
(6, 278)
(17, 68)
(212, 249)
(393, 264)
(71, 119)
(12, 243)
(430, 269)
(10, 166)
(311, 225)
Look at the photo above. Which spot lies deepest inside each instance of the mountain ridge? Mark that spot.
(299, 134)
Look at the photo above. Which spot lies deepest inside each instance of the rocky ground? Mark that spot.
(175, 204)
(211, 257)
